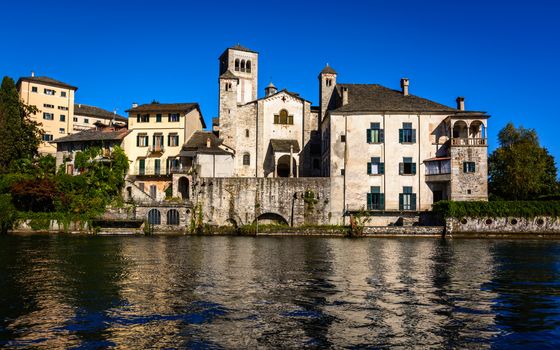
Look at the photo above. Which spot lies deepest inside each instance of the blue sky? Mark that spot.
(502, 56)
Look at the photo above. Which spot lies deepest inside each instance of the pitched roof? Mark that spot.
(328, 69)
(47, 81)
(197, 143)
(284, 145)
(374, 97)
(228, 75)
(164, 107)
(95, 134)
(92, 111)
(241, 48)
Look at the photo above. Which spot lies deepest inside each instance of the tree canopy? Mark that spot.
(520, 169)
(19, 135)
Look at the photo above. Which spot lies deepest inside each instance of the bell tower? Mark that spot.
(244, 64)
(327, 84)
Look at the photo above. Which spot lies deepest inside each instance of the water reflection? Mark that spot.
(241, 292)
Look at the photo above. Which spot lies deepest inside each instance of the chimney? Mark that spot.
(460, 103)
(404, 86)
(344, 95)
(208, 142)
(134, 104)
(32, 74)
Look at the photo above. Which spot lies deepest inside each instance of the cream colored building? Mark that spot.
(157, 134)
(55, 102)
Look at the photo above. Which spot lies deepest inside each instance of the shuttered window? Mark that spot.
(375, 199)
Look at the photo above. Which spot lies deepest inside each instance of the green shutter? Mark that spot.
(413, 201)
(382, 201)
(413, 168)
(413, 135)
(369, 168)
(401, 168)
(401, 197)
(381, 135)
(369, 201)
(381, 168)
(401, 135)
(368, 135)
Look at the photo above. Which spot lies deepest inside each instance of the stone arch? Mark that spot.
(476, 129)
(172, 217)
(154, 217)
(243, 65)
(183, 187)
(248, 66)
(237, 64)
(231, 222)
(272, 219)
(283, 166)
(460, 129)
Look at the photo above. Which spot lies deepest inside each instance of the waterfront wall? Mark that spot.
(503, 226)
(239, 201)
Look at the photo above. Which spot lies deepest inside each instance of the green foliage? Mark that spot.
(520, 169)
(524, 209)
(19, 135)
(8, 213)
(36, 195)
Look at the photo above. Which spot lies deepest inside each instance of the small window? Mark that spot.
(375, 134)
(407, 199)
(376, 167)
(141, 186)
(407, 167)
(173, 140)
(62, 131)
(407, 134)
(375, 199)
(173, 117)
(48, 116)
(242, 65)
(142, 140)
(328, 82)
(237, 65)
(246, 159)
(469, 167)
(342, 172)
(158, 118)
(47, 137)
(248, 67)
(48, 105)
(49, 92)
(62, 108)
(75, 119)
(342, 138)
(86, 121)
(63, 94)
(33, 89)
(62, 118)
(246, 132)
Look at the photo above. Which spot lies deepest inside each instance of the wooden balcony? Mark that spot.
(461, 141)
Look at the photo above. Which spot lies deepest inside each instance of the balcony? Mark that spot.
(464, 141)
(438, 169)
(148, 171)
(156, 149)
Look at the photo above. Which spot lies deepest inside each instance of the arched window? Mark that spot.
(246, 132)
(243, 65)
(246, 159)
(283, 117)
(228, 86)
(237, 65)
(154, 217)
(328, 82)
(172, 217)
(248, 66)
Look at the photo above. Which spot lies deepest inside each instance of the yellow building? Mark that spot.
(55, 102)
(157, 133)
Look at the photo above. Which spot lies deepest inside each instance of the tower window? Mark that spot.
(246, 159)
(243, 65)
(246, 132)
(248, 66)
(237, 65)
(328, 82)
(228, 86)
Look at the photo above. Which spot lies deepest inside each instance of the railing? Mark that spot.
(463, 141)
(180, 169)
(148, 171)
(156, 149)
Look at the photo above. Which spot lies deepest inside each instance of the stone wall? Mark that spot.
(469, 186)
(503, 226)
(238, 201)
(420, 231)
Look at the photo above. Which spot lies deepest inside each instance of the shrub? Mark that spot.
(525, 209)
(8, 213)
(34, 195)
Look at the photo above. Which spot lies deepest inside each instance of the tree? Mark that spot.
(520, 169)
(19, 135)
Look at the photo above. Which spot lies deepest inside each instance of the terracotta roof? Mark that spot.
(377, 98)
(92, 111)
(197, 144)
(284, 145)
(164, 107)
(47, 81)
(96, 134)
(328, 69)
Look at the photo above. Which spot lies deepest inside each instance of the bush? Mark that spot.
(8, 213)
(524, 209)
(34, 195)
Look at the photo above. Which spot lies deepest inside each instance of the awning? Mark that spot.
(284, 146)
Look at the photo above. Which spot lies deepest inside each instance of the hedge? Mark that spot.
(496, 209)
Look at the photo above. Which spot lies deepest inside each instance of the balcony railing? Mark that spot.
(148, 171)
(463, 141)
(156, 149)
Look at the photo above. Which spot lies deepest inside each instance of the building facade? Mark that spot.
(55, 103)
(85, 117)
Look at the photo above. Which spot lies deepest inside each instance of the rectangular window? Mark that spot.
(141, 186)
(173, 117)
(86, 121)
(62, 118)
(47, 137)
(407, 167)
(142, 118)
(61, 130)
(375, 199)
(142, 140)
(75, 119)
(142, 168)
(375, 134)
(173, 140)
(153, 191)
(407, 134)
(49, 92)
(342, 172)
(48, 105)
(48, 116)
(375, 167)
(62, 108)
(469, 167)
(33, 89)
(342, 138)
(157, 166)
(407, 199)
(63, 94)
(158, 118)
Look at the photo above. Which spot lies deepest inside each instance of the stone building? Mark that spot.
(55, 103)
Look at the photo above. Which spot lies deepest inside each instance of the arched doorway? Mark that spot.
(272, 219)
(172, 217)
(283, 166)
(154, 217)
(184, 187)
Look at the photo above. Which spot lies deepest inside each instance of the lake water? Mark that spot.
(290, 292)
